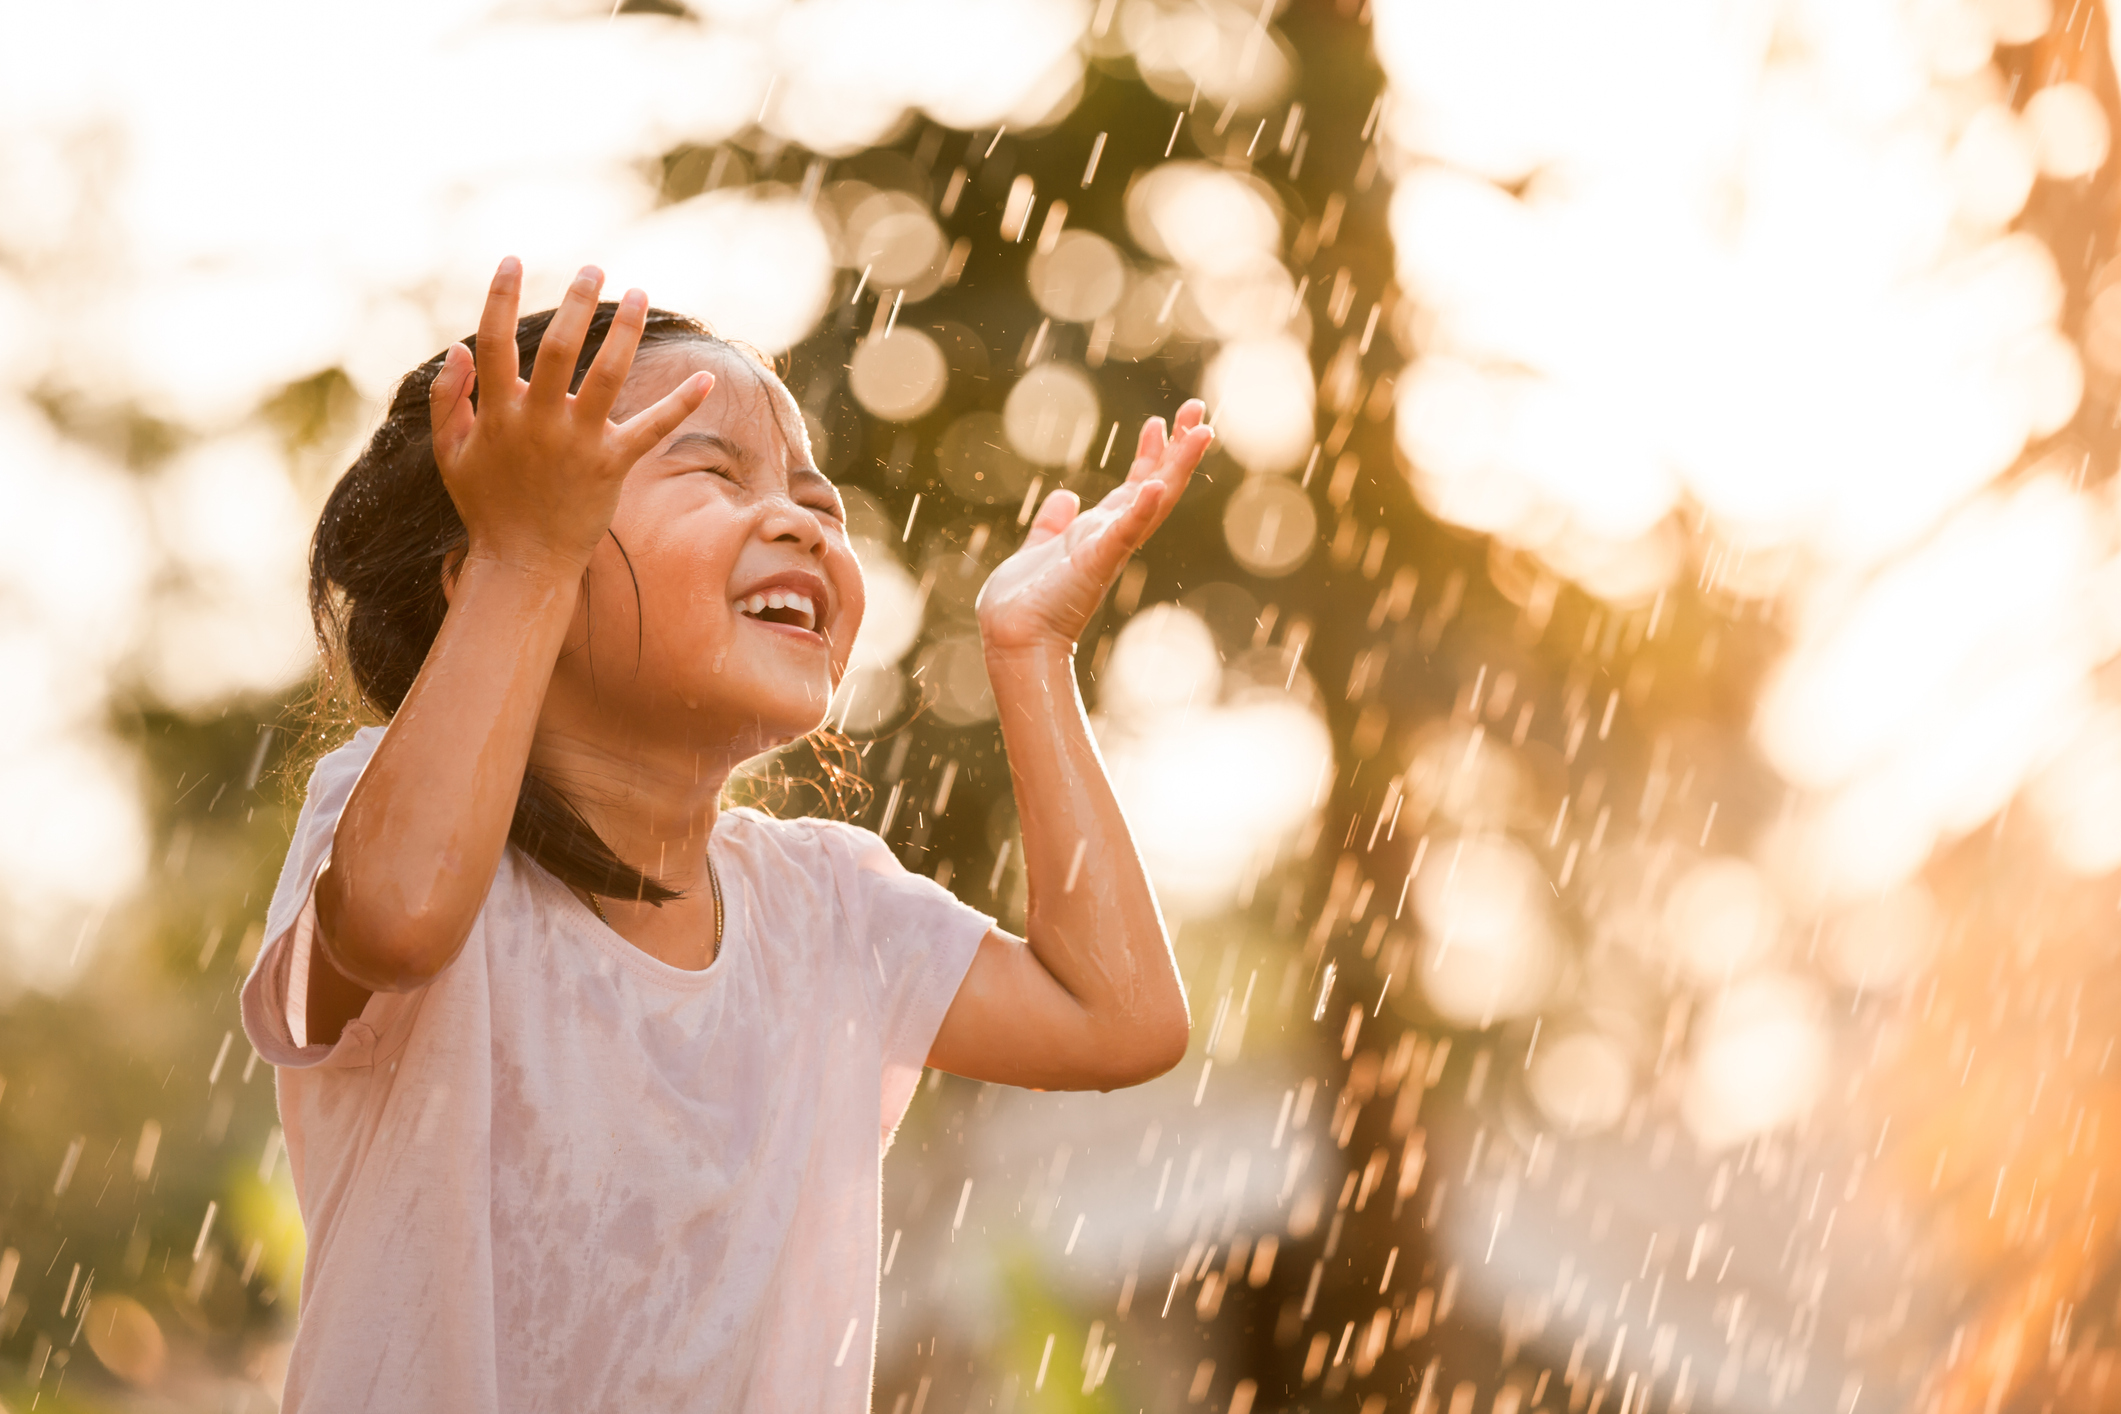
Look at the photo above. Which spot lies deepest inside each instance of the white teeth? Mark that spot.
(780, 599)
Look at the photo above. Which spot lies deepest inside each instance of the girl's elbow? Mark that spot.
(1170, 1048)
(409, 969)
(386, 940)
(386, 955)
(1156, 1051)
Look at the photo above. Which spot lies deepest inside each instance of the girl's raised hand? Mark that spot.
(1043, 595)
(535, 471)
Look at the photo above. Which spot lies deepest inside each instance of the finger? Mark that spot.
(1107, 549)
(1173, 461)
(451, 381)
(1191, 414)
(640, 433)
(1148, 511)
(600, 386)
(1110, 516)
(496, 349)
(1148, 449)
(1144, 510)
(1176, 470)
(449, 412)
(1118, 501)
(553, 373)
(1176, 466)
(1055, 515)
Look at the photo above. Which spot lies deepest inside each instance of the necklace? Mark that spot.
(714, 882)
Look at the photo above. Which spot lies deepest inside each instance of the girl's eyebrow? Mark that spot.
(710, 441)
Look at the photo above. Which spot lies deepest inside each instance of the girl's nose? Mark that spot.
(784, 519)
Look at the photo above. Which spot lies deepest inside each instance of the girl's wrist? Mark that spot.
(1029, 653)
(531, 565)
(531, 587)
(1036, 676)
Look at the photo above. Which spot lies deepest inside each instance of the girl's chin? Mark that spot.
(775, 711)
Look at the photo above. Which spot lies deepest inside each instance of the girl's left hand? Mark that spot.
(1043, 595)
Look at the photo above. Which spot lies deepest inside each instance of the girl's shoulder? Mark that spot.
(851, 859)
(830, 856)
(805, 841)
(332, 777)
(346, 760)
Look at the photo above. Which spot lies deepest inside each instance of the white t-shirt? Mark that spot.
(566, 1176)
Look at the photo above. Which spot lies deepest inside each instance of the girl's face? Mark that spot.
(748, 591)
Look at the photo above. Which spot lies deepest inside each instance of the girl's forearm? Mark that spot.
(421, 836)
(1092, 919)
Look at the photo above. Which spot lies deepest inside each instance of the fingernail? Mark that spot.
(590, 276)
(510, 266)
(636, 299)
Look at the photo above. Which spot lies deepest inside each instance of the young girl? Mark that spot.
(596, 1121)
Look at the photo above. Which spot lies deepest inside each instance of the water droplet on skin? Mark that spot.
(719, 658)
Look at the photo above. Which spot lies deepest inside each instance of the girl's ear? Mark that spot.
(452, 566)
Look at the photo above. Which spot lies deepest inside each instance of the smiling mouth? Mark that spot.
(781, 606)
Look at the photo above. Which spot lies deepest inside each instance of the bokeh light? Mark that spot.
(1761, 1061)
(757, 264)
(1260, 391)
(1051, 415)
(891, 616)
(1885, 943)
(2069, 131)
(125, 1337)
(1927, 694)
(1888, 346)
(1081, 278)
(892, 236)
(1170, 722)
(1488, 952)
(1270, 526)
(899, 375)
(1722, 918)
(1582, 1081)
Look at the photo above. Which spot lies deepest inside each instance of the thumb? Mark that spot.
(449, 408)
(1054, 516)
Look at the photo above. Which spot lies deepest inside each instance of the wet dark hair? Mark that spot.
(376, 565)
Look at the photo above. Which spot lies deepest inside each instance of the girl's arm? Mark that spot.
(535, 474)
(1091, 998)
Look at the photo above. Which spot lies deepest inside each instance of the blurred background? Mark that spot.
(1626, 727)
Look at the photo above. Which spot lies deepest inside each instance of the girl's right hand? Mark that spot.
(535, 472)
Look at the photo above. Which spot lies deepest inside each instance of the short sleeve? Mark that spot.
(920, 941)
(275, 995)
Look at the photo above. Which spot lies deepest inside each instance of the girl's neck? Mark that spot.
(654, 806)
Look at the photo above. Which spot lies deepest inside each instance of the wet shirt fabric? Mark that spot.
(565, 1175)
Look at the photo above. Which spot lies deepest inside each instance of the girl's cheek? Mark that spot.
(855, 599)
(705, 576)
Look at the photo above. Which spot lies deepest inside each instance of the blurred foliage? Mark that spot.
(133, 1105)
